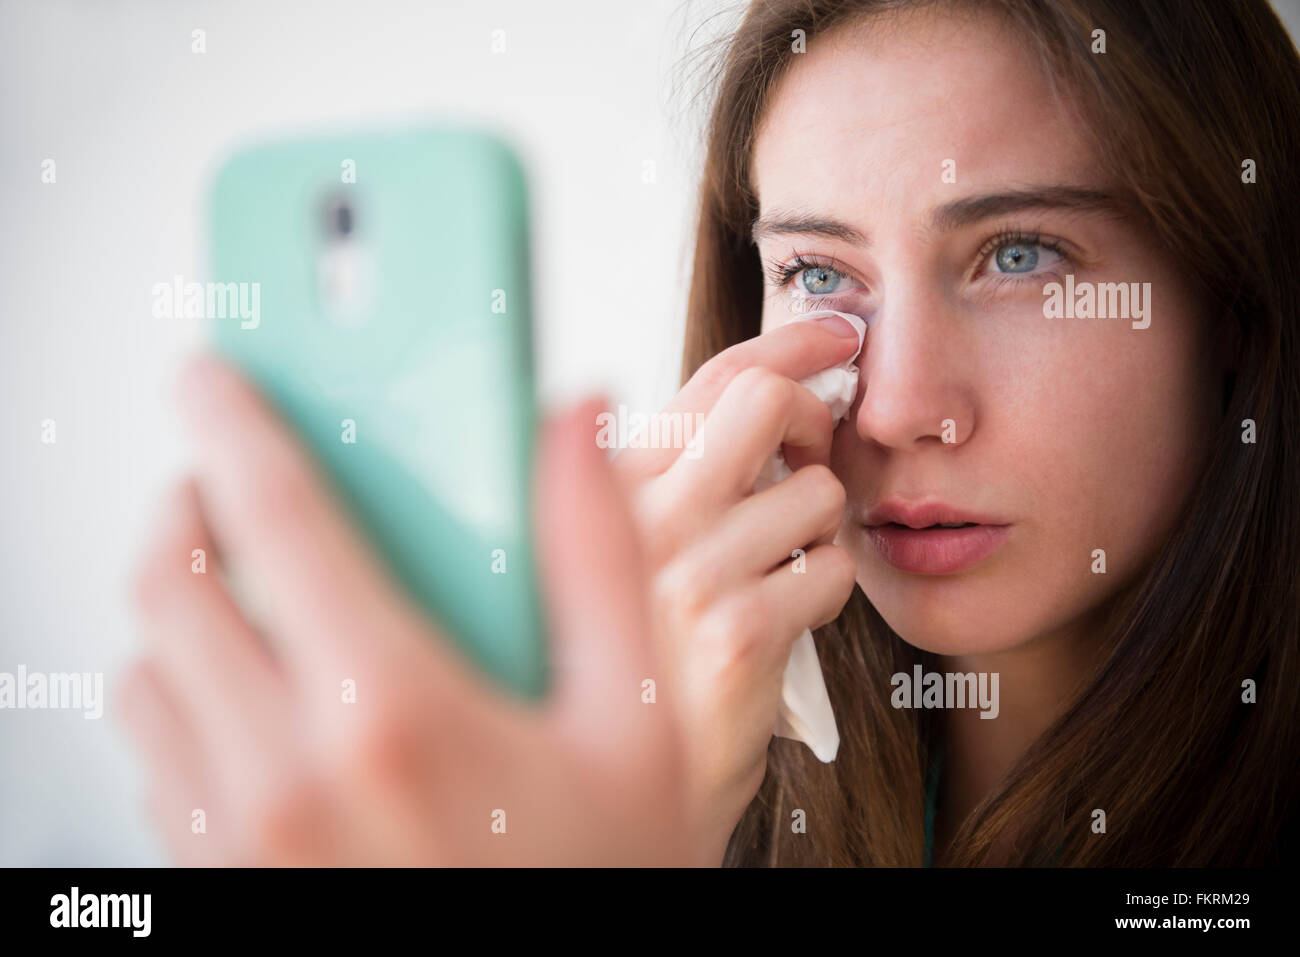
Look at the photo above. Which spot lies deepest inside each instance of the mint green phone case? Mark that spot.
(394, 334)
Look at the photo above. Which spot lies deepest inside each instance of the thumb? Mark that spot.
(593, 575)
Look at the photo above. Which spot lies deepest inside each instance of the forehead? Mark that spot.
(871, 112)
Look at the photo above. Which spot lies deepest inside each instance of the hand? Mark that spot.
(252, 729)
(727, 603)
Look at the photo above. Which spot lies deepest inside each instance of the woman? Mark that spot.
(1125, 688)
(976, 182)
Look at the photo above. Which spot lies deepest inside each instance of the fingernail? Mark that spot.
(838, 325)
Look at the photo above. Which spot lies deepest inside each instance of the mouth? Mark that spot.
(933, 539)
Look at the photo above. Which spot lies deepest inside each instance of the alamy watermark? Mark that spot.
(933, 689)
(129, 911)
(663, 430)
(209, 300)
(54, 691)
(1101, 300)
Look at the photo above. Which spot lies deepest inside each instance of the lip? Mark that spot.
(902, 536)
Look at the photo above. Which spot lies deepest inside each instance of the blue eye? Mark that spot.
(805, 280)
(1017, 257)
(819, 280)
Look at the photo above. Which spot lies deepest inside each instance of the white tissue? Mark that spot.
(805, 713)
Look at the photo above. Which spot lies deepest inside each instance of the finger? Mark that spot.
(808, 592)
(762, 531)
(333, 612)
(207, 816)
(746, 634)
(759, 413)
(795, 350)
(180, 782)
(593, 575)
(232, 694)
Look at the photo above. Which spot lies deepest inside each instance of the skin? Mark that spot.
(1078, 433)
(256, 734)
(725, 603)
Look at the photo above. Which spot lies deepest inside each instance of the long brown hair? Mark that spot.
(1159, 735)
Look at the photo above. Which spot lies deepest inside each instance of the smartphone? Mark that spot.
(389, 274)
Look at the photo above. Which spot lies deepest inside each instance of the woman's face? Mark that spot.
(932, 186)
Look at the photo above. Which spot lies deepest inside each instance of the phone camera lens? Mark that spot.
(343, 219)
(340, 220)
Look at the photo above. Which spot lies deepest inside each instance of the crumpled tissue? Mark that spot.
(805, 712)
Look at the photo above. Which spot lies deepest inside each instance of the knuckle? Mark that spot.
(826, 488)
(387, 749)
(767, 390)
(718, 372)
(658, 511)
(841, 569)
(735, 632)
(680, 584)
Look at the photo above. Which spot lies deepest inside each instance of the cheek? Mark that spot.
(1089, 437)
(1113, 438)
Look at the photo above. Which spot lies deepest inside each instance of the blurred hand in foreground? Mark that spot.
(432, 764)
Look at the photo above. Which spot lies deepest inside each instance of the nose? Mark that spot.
(916, 384)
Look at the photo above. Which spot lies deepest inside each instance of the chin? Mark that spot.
(942, 634)
(950, 615)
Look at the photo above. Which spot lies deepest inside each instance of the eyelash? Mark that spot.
(1019, 237)
(780, 273)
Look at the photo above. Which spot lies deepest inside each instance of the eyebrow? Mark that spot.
(949, 216)
(963, 212)
(781, 224)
